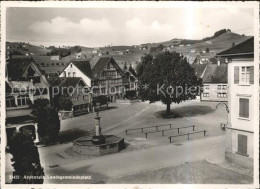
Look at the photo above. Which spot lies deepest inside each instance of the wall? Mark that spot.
(245, 126)
(78, 73)
(213, 92)
(237, 91)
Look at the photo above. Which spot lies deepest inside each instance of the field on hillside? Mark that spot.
(218, 44)
(24, 48)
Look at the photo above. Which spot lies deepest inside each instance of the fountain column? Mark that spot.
(97, 124)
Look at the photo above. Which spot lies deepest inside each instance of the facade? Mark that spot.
(108, 79)
(240, 127)
(203, 58)
(81, 69)
(25, 83)
(132, 80)
(214, 82)
(80, 95)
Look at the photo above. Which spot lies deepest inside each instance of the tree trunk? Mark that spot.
(168, 110)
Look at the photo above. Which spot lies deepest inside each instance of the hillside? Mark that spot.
(24, 48)
(215, 45)
(132, 54)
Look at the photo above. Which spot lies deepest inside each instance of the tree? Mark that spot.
(48, 121)
(101, 100)
(169, 79)
(26, 161)
(62, 102)
(125, 66)
(145, 60)
(132, 70)
(207, 49)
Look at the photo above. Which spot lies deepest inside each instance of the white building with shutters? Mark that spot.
(241, 99)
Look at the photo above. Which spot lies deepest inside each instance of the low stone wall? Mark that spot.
(98, 150)
(127, 101)
(243, 161)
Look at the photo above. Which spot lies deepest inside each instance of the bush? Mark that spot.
(48, 121)
(26, 161)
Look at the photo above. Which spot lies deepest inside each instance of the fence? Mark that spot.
(142, 128)
(170, 137)
(146, 134)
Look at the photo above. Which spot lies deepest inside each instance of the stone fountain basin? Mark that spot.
(85, 146)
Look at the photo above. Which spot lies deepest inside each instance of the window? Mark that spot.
(222, 87)
(244, 107)
(68, 74)
(242, 144)
(74, 74)
(108, 66)
(70, 65)
(206, 87)
(205, 94)
(245, 74)
(74, 98)
(23, 100)
(222, 95)
(10, 101)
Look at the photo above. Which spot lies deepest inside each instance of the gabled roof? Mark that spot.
(215, 74)
(50, 66)
(65, 81)
(244, 48)
(199, 69)
(84, 66)
(17, 66)
(101, 64)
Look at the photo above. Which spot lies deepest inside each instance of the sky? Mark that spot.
(97, 27)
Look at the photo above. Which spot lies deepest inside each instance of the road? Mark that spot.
(142, 154)
(122, 164)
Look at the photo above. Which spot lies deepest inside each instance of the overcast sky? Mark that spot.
(100, 27)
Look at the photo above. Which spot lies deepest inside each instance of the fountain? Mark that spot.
(98, 144)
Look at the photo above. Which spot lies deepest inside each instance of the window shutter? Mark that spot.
(244, 107)
(251, 72)
(236, 74)
(241, 107)
(239, 144)
(244, 145)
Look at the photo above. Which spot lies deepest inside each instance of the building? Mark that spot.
(80, 69)
(108, 79)
(132, 80)
(25, 83)
(203, 58)
(215, 83)
(241, 101)
(77, 91)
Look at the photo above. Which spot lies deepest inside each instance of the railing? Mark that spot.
(142, 128)
(146, 134)
(188, 134)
